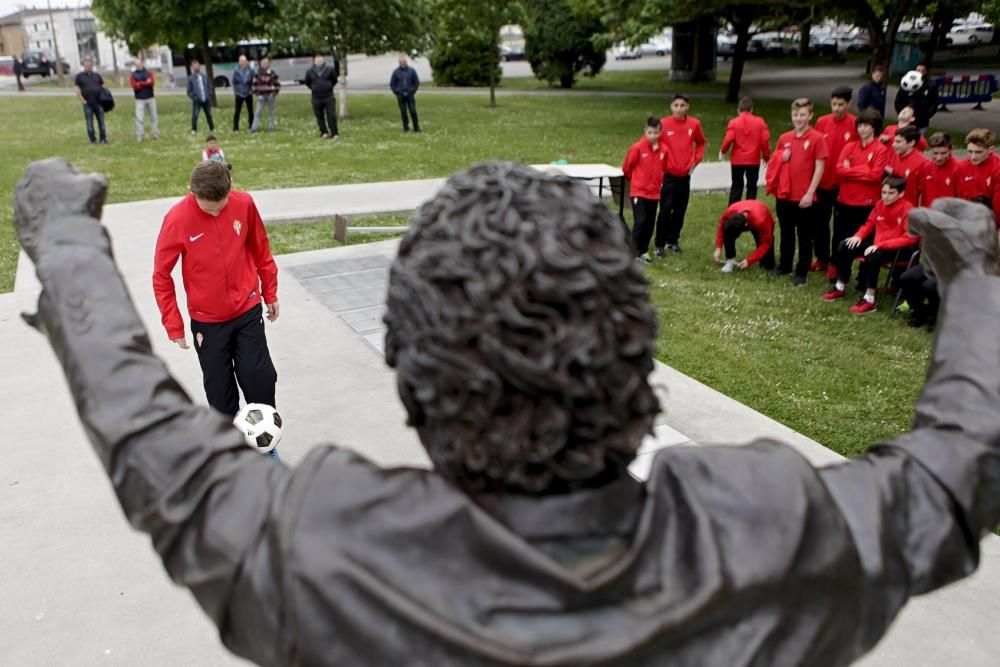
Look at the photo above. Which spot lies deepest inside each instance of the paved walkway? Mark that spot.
(79, 582)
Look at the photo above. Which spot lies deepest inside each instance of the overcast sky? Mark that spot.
(11, 6)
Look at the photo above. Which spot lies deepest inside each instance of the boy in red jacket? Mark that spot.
(906, 161)
(684, 143)
(644, 165)
(888, 221)
(838, 129)
(904, 119)
(861, 168)
(228, 270)
(793, 174)
(742, 216)
(978, 173)
(750, 140)
(938, 177)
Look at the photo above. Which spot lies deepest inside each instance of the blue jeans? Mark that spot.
(197, 106)
(89, 111)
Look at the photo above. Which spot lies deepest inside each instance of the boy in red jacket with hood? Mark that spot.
(750, 140)
(938, 177)
(684, 143)
(888, 222)
(838, 129)
(228, 271)
(906, 161)
(644, 165)
(978, 174)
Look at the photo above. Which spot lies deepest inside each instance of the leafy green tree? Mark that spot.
(180, 22)
(341, 27)
(564, 38)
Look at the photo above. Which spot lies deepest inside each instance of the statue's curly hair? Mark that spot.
(522, 333)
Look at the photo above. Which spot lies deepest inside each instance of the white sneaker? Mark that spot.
(729, 265)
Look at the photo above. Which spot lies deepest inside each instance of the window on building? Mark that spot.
(86, 38)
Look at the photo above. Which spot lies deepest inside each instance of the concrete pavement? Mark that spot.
(80, 587)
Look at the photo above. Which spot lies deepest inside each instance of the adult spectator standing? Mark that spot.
(793, 175)
(838, 130)
(143, 81)
(18, 68)
(88, 90)
(228, 270)
(243, 90)
(684, 143)
(750, 139)
(321, 79)
(872, 94)
(404, 83)
(924, 101)
(266, 86)
(200, 94)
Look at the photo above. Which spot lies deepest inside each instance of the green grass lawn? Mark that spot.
(651, 80)
(459, 130)
(314, 234)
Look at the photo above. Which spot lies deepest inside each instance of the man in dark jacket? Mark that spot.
(321, 79)
(243, 91)
(201, 96)
(522, 334)
(143, 81)
(872, 94)
(924, 101)
(18, 68)
(404, 84)
(88, 90)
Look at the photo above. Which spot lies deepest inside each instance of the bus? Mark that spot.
(289, 60)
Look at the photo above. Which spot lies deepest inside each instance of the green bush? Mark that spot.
(463, 59)
(560, 40)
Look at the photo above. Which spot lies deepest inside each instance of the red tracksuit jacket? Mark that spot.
(644, 166)
(861, 181)
(759, 220)
(910, 168)
(838, 133)
(889, 133)
(975, 180)
(790, 180)
(934, 182)
(225, 260)
(684, 143)
(889, 224)
(750, 139)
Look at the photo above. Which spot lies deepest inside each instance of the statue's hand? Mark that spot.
(53, 194)
(957, 236)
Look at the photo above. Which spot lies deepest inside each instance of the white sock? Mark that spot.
(840, 286)
(870, 299)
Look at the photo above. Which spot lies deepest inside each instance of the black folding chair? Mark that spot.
(914, 258)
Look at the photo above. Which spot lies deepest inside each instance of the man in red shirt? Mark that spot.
(684, 143)
(750, 140)
(978, 173)
(905, 119)
(906, 161)
(938, 177)
(838, 129)
(793, 174)
(644, 165)
(228, 270)
(888, 222)
(742, 216)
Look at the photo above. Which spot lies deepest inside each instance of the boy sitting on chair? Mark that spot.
(888, 221)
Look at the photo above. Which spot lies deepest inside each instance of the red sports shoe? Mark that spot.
(818, 266)
(833, 294)
(831, 271)
(863, 307)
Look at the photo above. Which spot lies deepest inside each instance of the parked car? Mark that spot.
(511, 52)
(962, 35)
(626, 52)
(857, 42)
(725, 46)
(658, 46)
(40, 63)
(782, 46)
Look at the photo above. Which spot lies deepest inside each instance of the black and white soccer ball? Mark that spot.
(260, 425)
(911, 81)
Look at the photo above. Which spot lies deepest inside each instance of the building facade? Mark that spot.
(75, 30)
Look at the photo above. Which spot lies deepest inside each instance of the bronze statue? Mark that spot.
(522, 336)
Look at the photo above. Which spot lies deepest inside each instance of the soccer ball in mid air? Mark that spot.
(260, 425)
(911, 81)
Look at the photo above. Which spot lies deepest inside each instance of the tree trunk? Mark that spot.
(742, 25)
(941, 23)
(206, 53)
(342, 114)
(804, 46)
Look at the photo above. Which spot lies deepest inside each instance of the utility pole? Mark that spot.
(55, 46)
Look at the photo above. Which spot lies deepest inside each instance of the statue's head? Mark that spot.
(522, 334)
